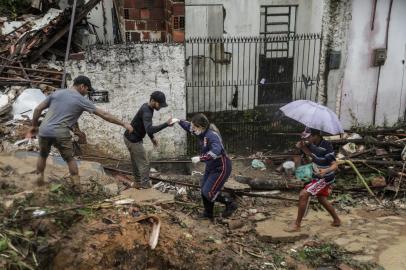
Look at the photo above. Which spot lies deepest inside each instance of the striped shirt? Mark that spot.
(322, 156)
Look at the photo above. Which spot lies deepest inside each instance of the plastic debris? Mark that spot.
(26, 103)
(39, 213)
(258, 164)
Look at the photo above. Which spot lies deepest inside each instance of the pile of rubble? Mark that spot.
(17, 106)
(24, 42)
(381, 153)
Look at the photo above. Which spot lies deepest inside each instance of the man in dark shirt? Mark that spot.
(142, 124)
(321, 153)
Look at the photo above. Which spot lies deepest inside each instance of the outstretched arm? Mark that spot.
(112, 119)
(149, 128)
(185, 125)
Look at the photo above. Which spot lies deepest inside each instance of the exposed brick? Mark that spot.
(156, 13)
(151, 25)
(140, 25)
(129, 3)
(139, 3)
(158, 3)
(178, 10)
(145, 36)
(145, 14)
(129, 25)
(135, 36)
(178, 36)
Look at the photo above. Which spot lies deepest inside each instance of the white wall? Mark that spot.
(360, 79)
(242, 19)
(130, 73)
(243, 16)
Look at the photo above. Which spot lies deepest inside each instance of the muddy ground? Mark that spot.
(88, 232)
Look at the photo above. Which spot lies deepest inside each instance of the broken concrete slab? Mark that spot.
(273, 231)
(148, 196)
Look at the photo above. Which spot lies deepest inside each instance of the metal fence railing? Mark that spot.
(239, 82)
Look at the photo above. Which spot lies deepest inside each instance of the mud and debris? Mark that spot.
(51, 227)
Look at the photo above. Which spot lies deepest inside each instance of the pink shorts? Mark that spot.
(319, 187)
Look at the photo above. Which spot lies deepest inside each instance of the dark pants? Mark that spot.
(139, 161)
(64, 146)
(215, 178)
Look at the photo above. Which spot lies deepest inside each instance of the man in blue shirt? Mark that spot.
(321, 153)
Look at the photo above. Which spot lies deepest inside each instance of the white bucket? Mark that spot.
(289, 167)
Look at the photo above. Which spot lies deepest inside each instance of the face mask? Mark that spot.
(197, 132)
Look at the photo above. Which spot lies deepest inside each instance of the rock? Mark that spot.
(378, 181)
(344, 266)
(273, 231)
(259, 216)
(252, 211)
(342, 241)
(354, 247)
(188, 235)
(235, 224)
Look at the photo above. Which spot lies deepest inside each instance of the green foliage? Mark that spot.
(330, 254)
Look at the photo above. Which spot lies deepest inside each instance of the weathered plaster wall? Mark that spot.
(130, 73)
(360, 78)
(242, 18)
(336, 21)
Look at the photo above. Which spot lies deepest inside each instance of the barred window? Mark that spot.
(179, 22)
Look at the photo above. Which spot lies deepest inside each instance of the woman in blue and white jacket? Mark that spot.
(218, 165)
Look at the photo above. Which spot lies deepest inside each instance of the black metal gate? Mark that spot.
(241, 82)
